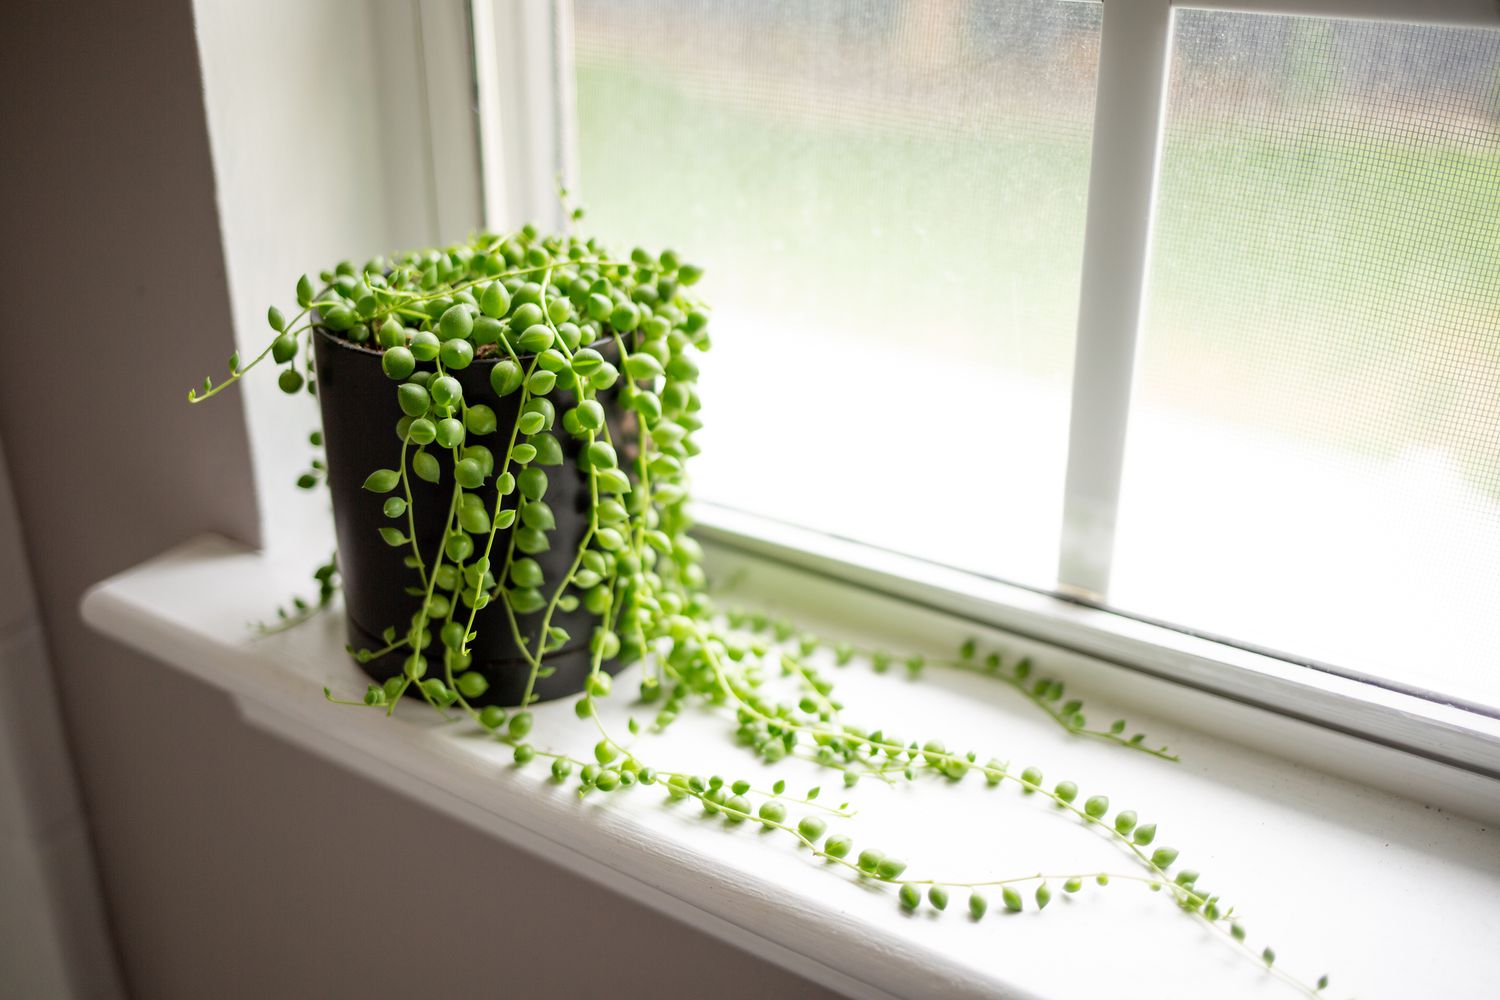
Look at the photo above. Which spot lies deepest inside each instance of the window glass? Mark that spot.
(888, 199)
(1313, 461)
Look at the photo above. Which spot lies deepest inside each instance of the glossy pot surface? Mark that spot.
(360, 413)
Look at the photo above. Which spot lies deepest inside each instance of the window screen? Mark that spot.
(889, 201)
(1313, 461)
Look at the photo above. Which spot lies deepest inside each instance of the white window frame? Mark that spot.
(526, 140)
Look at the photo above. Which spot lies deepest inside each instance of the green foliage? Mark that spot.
(603, 351)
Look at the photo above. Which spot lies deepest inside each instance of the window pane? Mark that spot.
(1314, 454)
(888, 199)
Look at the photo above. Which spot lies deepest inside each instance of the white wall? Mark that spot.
(318, 122)
(53, 938)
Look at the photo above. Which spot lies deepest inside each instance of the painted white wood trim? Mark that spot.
(1133, 53)
(518, 59)
(1414, 886)
(490, 132)
(566, 97)
(533, 827)
(453, 144)
(1437, 742)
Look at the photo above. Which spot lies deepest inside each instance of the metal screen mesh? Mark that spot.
(1314, 452)
(889, 199)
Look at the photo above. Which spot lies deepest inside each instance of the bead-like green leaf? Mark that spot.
(382, 480)
(425, 466)
(642, 366)
(506, 377)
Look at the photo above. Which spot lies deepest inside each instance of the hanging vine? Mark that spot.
(576, 334)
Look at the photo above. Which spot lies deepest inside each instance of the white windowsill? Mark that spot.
(1390, 896)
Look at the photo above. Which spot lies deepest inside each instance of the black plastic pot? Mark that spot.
(360, 413)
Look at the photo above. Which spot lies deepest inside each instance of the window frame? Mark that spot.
(526, 144)
(1135, 63)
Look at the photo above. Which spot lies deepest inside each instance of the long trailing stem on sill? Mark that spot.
(532, 306)
(1044, 692)
(876, 867)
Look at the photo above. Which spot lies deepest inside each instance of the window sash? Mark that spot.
(1463, 737)
(1135, 52)
(523, 68)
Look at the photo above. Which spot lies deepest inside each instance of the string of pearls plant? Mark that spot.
(543, 305)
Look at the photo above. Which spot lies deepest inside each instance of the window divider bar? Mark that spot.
(488, 125)
(1134, 50)
(521, 108)
(456, 187)
(565, 97)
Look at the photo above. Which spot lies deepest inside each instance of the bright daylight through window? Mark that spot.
(1314, 454)
(897, 193)
(891, 192)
